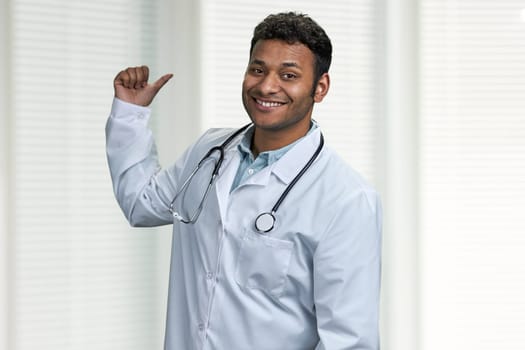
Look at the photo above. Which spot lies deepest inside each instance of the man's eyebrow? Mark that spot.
(290, 64)
(256, 61)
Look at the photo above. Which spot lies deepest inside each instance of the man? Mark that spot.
(283, 251)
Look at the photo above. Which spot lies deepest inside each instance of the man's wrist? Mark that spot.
(121, 109)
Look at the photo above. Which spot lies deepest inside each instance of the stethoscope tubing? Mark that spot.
(264, 222)
(216, 169)
(299, 175)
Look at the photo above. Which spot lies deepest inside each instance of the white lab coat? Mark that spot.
(312, 282)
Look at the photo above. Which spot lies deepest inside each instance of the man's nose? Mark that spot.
(269, 84)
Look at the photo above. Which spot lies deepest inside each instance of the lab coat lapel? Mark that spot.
(296, 158)
(285, 168)
(226, 174)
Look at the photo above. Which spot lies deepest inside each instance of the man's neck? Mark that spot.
(264, 140)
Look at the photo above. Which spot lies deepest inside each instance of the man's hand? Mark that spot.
(131, 85)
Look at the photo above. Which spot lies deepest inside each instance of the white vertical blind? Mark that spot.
(82, 278)
(473, 174)
(400, 303)
(349, 114)
(4, 177)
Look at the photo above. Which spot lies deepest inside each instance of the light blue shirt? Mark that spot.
(249, 165)
(311, 283)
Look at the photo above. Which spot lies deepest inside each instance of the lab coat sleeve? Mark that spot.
(142, 189)
(347, 268)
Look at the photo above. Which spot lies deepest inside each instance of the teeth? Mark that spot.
(269, 104)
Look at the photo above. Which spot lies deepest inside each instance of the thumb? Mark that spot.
(161, 82)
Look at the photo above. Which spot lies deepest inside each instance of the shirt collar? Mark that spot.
(294, 156)
(268, 157)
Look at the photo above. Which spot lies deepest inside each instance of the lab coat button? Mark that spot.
(209, 275)
(250, 171)
(201, 327)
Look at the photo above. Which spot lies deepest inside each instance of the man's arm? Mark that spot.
(141, 189)
(347, 269)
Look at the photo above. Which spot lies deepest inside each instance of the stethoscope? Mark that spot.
(264, 222)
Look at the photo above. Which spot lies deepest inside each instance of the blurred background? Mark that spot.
(427, 102)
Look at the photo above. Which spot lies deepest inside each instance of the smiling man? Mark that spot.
(279, 91)
(276, 240)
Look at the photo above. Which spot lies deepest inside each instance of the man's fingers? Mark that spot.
(145, 74)
(141, 76)
(134, 77)
(131, 85)
(132, 72)
(122, 78)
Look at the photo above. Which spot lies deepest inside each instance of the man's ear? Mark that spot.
(321, 89)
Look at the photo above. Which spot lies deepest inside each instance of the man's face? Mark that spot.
(277, 87)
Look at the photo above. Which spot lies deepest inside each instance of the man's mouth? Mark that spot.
(269, 104)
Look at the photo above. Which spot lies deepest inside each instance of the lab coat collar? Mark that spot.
(295, 159)
(287, 167)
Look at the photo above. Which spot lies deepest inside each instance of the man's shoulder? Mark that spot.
(213, 137)
(347, 180)
(216, 134)
(340, 166)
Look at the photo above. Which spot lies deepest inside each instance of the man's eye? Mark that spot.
(257, 70)
(289, 76)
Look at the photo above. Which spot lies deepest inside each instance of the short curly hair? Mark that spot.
(294, 28)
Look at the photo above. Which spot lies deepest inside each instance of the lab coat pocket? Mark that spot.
(263, 263)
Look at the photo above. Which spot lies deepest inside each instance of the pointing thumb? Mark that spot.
(162, 81)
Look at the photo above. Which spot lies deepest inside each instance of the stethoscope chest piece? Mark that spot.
(264, 222)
